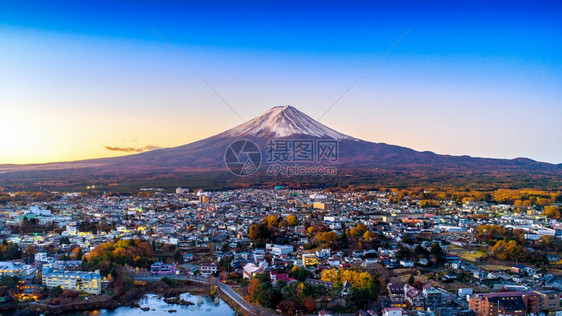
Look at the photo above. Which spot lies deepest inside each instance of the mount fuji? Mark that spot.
(284, 121)
(202, 163)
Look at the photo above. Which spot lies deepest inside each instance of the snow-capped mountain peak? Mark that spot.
(285, 121)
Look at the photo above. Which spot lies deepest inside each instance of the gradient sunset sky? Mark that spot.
(469, 78)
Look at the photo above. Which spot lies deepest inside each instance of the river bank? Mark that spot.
(127, 296)
(152, 305)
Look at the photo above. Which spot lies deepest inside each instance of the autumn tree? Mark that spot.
(77, 253)
(418, 284)
(310, 231)
(510, 250)
(369, 236)
(309, 304)
(357, 231)
(363, 287)
(253, 232)
(259, 232)
(133, 252)
(428, 203)
(253, 288)
(262, 292)
(327, 238)
(356, 279)
(490, 232)
(291, 220)
(552, 211)
(271, 221)
(224, 275)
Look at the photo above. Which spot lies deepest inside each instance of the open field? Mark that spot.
(495, 267)
(469, 255)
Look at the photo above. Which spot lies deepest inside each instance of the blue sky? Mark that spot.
(469, 78)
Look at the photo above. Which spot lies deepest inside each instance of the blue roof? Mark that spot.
(80, 274)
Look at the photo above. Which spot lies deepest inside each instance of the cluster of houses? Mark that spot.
(220, 221)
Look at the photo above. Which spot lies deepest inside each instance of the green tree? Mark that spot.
(79, 284)
(178, 257)
(9, 282)
(56, 291)
(437, 252)
(114, 273)
(411, 280)
(420, 251)
(403, 252)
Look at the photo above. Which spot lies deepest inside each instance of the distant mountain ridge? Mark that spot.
(358, 162)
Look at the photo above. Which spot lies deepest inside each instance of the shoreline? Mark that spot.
(127, 298)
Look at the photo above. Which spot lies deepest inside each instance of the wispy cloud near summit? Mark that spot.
(133, 149)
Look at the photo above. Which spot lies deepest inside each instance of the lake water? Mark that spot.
(203, 306)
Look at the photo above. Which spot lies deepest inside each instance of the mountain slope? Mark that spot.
(284, 121)
(358, 161)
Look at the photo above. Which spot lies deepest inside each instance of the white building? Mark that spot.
(370, 262)
(180, 190)
(323, 253)
(465, 291)
(88, 282)
(36, 210)
(71, 229)
(188, 257)
(41, 257)
(10, 268)
(250, 269)
(281, 249)
(207, 269)
(278, 249)
(392, 311)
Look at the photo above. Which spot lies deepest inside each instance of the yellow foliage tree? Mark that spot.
(310, 231)
(369, 236)
(271, 221)
(552, 211)
(328, 238)
(490, 231)
(356, 279)
(291, 220)
(508, 250)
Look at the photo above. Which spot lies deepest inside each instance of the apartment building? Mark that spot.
(550, 300)
(281, 249)
(160, 268)
(504, 303)
(208, 268)
(396, 294)
(87, 282)
(10, 268)
(414, 297)
(309, 259)
(433, 297)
